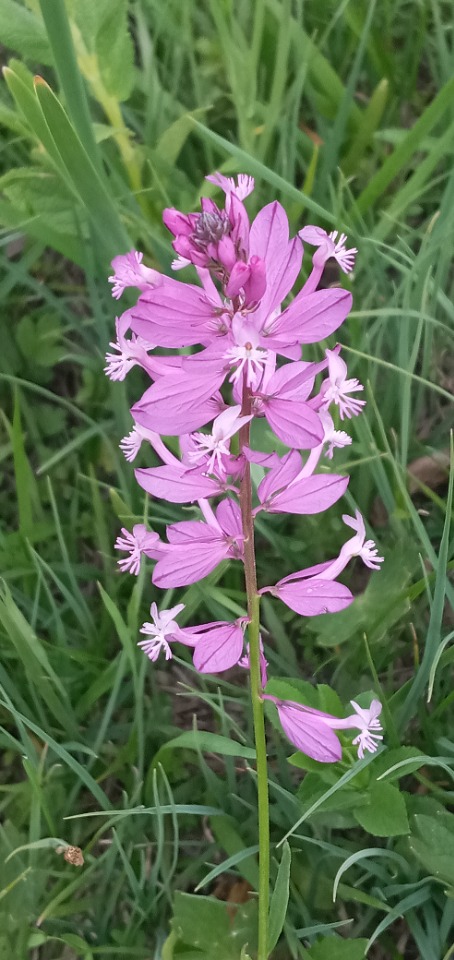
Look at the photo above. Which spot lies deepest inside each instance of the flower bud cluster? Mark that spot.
(249, 341)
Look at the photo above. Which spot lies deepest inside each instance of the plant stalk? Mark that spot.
(253, 601)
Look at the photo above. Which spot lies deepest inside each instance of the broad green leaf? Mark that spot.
(88, 16)
(38, 227)
(115, 50)
(343, 801)
(279, 898)
(368, 614)
(207, 743)
(300, 691)
(206, 923)
(390, 758)
(24, 32)
(432, 842)
(335, 948)
(385, 813)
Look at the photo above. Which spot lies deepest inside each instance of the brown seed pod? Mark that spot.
(73, 855)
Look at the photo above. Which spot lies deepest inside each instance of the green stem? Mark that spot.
(253, 600)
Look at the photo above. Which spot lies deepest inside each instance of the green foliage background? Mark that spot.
(344, 112)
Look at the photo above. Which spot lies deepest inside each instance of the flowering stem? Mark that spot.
(253, 600)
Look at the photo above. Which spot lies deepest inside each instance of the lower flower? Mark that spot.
(312, 731)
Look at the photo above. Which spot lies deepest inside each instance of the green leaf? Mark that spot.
(343, 801)
(38, 226)
(59, 33)
(300, 691)
(46, 843)
(21, 85)
(227, 835)
(22, 31)
(389, 759)
(368, 614)
(432, 842)
(85, 179)
(206, 923)
(279, 898)
(333, 948)
(385, 814)
(115, 50)
(26, 491)
(205, 742)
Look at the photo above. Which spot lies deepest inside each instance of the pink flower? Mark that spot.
(174, 314)
(129, 352)
(309, 594)
(161, 633)
(130, 444)
(211, 448)
(336, 388)
(358, 546)
(330, 246)
(334, 438)
(312, 731)
(129, 271)
(281, 398)
(180, 403)
(177, 484)
(214, 238)
(242, 189)
(366, 721)
(218, 646)
(235, 314)
(196, 548)
(287, 490)
(247, 281)
(245, 355)
(140, 541)
(315, 590)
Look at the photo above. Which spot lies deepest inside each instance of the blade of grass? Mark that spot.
(83, 174)
(259, 169)
(436, 614)
(59, 33)
(405, 150)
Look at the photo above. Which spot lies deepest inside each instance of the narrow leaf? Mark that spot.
(279, 898)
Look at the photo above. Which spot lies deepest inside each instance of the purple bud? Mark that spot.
(227, 253)
(255, 285)
(238, 278)
(176, 222)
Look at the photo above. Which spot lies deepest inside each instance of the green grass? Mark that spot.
(345, 113)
